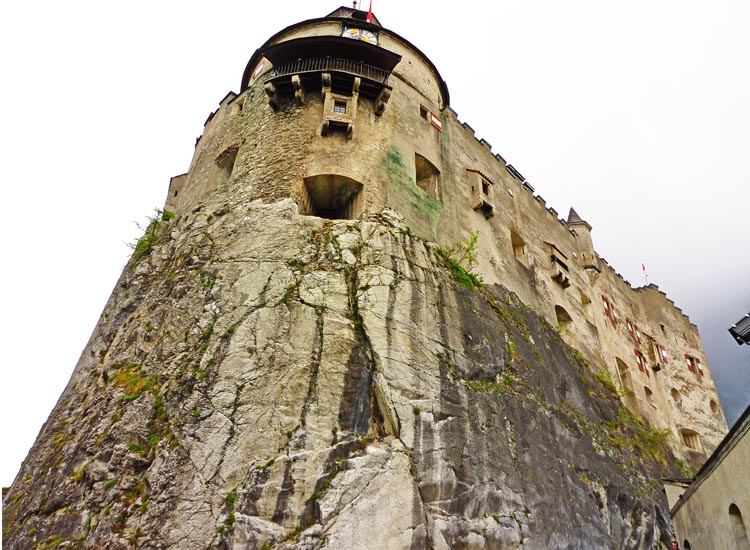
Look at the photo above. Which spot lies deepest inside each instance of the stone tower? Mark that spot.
(354, 326)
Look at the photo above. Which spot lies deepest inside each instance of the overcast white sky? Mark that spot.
(636, 113)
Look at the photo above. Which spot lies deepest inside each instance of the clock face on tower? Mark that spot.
(371, 37)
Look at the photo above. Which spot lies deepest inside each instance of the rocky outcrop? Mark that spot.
(261, 379)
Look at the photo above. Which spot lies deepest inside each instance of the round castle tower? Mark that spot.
(317, 120)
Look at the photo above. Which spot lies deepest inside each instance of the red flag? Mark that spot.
(369, 13)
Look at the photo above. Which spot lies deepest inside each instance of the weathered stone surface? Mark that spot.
(264, 379)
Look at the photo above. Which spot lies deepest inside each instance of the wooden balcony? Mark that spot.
(330, 65)
(343, 72)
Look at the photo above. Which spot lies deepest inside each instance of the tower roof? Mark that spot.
(575, 219)
(355, 14)
(573, 216)
(347, 17)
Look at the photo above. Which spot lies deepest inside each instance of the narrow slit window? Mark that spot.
(586, 305)
(223, 167)
(739, 533)
(564, 321)
(627, 385)
(519, 247)
(427, 176)
(649, 395)
(676, 397)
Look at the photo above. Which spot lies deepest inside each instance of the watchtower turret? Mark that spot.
(582, 229)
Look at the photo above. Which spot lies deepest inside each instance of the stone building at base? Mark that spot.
(714, 510)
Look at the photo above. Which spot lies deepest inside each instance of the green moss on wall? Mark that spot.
(444, 134)
(401, 177)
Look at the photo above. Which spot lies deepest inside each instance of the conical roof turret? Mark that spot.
(575, 219)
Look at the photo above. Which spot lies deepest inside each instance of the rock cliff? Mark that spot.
(261, 379)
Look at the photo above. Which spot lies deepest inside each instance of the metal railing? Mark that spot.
(322, 64)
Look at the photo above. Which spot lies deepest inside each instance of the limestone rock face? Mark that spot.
(261, 379)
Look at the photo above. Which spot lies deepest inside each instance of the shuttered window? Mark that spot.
(609, 310)
(693, 364)
(642, 362)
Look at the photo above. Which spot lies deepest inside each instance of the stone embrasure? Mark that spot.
(261, 379)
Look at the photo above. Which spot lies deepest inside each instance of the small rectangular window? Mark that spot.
(691, 440)
(423, 112)
(339, 107)
(519, 247)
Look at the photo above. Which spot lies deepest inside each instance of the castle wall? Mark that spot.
(383, 155)
(602, 338)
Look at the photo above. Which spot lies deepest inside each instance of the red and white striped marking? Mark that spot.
(436, 122)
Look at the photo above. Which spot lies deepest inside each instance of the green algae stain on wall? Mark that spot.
(445, 138)
(403, 180)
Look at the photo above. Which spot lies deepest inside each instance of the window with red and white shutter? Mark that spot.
(664, 357)
(693, 364)
(689, 362)
(609, 310)
(639, 360)
(642, 362)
